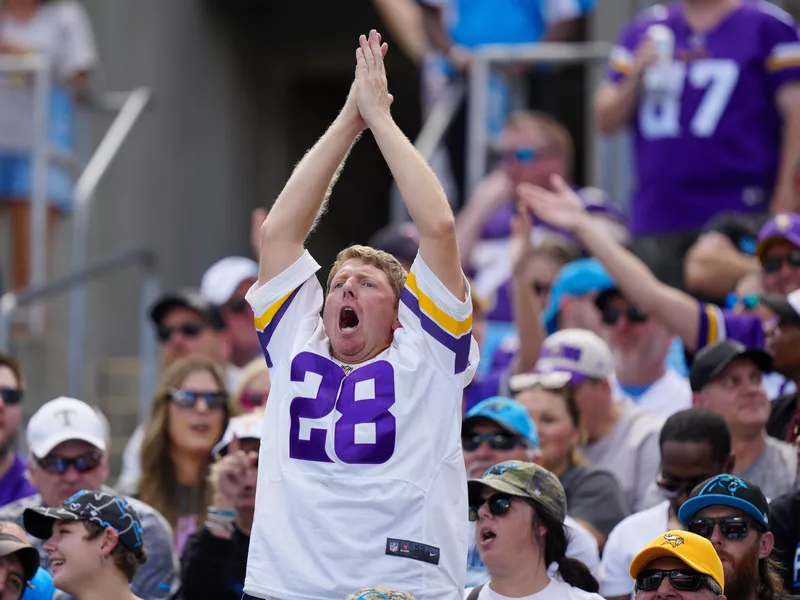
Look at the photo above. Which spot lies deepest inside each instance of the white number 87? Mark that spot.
(659, 116)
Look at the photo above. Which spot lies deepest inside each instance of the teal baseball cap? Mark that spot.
(578, 278)
(507, 413)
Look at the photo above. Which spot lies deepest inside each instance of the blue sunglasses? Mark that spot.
(522, 155)
(749, 301)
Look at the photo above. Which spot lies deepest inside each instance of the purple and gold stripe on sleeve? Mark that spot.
(712, 326)
(784, 56)
(621, 60)
(451, 333)
(269, 320)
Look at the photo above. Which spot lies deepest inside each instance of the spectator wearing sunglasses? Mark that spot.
(640, 347)
(727, 378)
(695, 445)
(254, 384)
(214, 560)
(733, 514)
(224, 286)
(19, 566)
(594, 497)
(519, 509)
(68, 443)
(188, 416)
(498, 430)
(620, 436)
(14, 483)
(678, 564)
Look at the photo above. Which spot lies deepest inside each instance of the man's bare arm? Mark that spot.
(527, 309)
(785, 198)
(713, 266)
(421, 191)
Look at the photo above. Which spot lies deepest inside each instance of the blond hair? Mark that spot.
(377, 258)
(558, 136)
(249, 372)
(158, 485)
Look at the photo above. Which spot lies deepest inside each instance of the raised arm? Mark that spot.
(421, 191)
(294, 214)
(785, 198)
(563, 209)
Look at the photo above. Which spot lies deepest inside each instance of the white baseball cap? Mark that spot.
(61, 420)
(244, 427)
(224, 276)
(580, 352)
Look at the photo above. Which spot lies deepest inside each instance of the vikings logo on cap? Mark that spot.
(783, 222)
(672, 540)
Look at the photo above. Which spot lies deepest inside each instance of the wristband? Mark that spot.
(227, 515)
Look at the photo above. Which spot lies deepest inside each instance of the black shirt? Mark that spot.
(213, 568)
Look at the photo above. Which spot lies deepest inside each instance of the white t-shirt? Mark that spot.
(581, 545)
(624, 542)
(361, 472)
(555, 590)
(665, 396)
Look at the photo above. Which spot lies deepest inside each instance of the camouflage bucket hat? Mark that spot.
(379, 593)
(525, 480)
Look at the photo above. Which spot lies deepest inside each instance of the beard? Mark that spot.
(741, 575)
(7, 445)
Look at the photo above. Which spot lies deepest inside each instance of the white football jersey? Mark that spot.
(361, 479)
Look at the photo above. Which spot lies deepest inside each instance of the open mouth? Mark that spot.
(201, 428)
(487, 534)
(56, 564)
(348, 320)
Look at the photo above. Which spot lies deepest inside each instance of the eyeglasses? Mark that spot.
(83, 463)
(188, 399)
(555, 380)
(11, 395)
(496, 441)
(684, 580)
(749, 301)
(673, 487)
(634, 315)
(499, 504)
(733, 528)
(236, 306)
(251, 400)
(773, 264)
(189, 330)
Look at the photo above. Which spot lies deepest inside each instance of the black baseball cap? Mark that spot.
(784, 306)
(107, 510)
(190, 299)
(727, 490)
(712, 360)
(27, 554)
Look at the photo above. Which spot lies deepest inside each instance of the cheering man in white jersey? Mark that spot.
(361, 478)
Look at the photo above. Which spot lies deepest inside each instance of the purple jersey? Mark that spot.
(710, 141)
(716, 325)
(490, 258)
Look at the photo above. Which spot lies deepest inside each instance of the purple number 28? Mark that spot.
(362, 398)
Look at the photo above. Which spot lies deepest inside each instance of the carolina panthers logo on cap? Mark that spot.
(672, 540)
(500, 469)
(783, 222)
(723, 484)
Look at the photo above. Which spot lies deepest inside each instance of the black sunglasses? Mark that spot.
(187, 399)
(189, 330)
(499, 504)
(83, 463)
(673, 487)
(236, 306)
(733, 528)
(634, 315)
(684, 580)
(773, 264)
(11, 395)
(497, 441)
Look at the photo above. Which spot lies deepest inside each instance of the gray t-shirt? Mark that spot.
(631, 452)
(594, 496)
(155, 580)
(775, 471)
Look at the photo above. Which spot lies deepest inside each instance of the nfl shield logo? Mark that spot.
(392, 546)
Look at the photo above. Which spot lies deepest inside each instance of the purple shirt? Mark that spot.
(713, 143)
(717, 325)
(14, 485)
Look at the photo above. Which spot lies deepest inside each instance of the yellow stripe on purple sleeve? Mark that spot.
(451, 325)
(263, 321)
(713, 325)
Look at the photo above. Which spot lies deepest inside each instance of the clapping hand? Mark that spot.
(236, 471)
(351, 110)
(559, 208)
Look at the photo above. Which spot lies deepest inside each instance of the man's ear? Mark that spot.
(110, 540)
(766, 544)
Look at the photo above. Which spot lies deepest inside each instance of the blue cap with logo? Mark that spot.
(578, 278)
(507, 413)
(727, 490)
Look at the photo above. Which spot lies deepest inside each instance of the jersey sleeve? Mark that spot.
(621, 59)
(286, 308)
(716, 325)
(615, 578)
(444, 324)
(781, 43)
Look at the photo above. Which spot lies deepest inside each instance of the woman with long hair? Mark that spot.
(594, 496)
(518, 509)
(94, 544)
(188, 416)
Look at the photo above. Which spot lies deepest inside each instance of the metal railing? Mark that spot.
(129, 107)
(10, 302)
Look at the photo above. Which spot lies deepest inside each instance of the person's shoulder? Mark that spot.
(768, 13)
(633, 522)
(149, 516)
(642, 422)
(13, 511)
(785, 452)
(658, 13)
(65, 10)
(561, 589)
